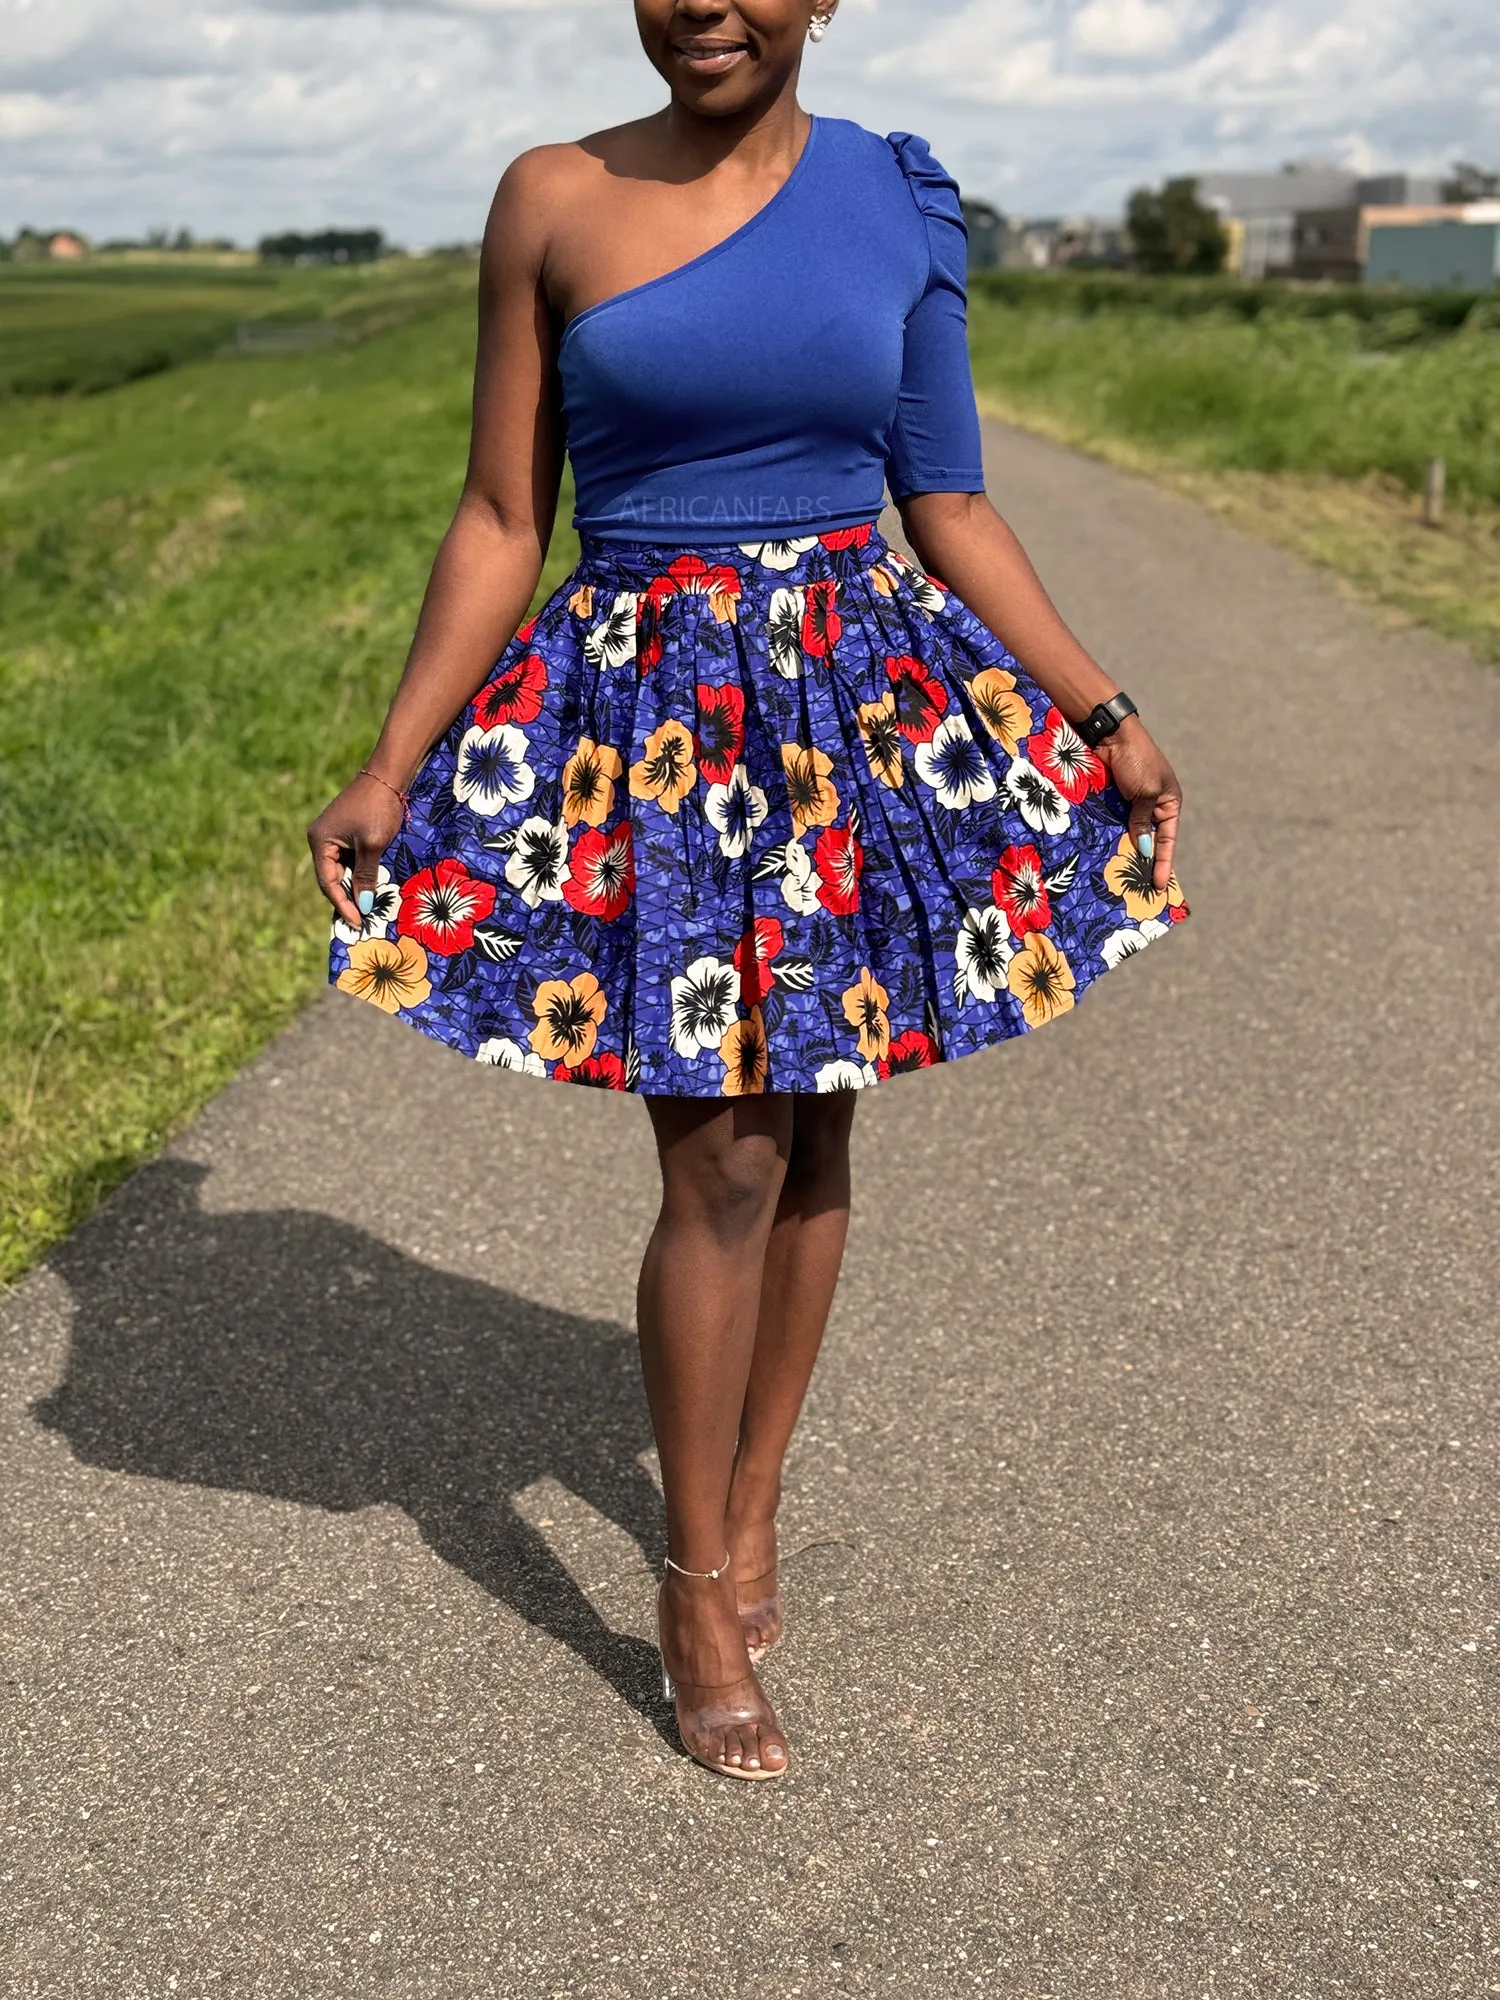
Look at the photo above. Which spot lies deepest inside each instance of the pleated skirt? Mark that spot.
(784, 817)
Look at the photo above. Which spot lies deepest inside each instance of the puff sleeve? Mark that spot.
(934, 444)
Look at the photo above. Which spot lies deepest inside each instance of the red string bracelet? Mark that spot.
(404, 797)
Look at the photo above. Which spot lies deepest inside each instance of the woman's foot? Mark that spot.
(725, 1721)
(751, 1533)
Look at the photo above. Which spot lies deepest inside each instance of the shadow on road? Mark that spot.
(284, 1353)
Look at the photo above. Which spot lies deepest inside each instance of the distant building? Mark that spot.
(66, 248)
(1054, 242)
(986, 227)
(1260, 213)
(1458, 253)
(1326, 244)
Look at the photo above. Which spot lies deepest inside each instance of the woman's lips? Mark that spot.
(710, 58)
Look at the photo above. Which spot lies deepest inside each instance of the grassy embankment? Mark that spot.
(207, 584)
(1305, 415)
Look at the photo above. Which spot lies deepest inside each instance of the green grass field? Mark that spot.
(1287, 391)
(207, 584)
(209, 573)
(87, 327)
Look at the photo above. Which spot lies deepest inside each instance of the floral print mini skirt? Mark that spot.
(785, 817)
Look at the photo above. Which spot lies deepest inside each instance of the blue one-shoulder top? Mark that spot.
(781, 380)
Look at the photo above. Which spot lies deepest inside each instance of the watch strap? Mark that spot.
(1105, 719)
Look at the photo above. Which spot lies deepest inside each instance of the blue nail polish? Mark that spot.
(365, 901)
(1147, 844)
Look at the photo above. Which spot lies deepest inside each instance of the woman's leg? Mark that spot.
(698, 1305)
(802, 1262)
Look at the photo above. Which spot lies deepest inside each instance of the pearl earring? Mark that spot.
(818, 27)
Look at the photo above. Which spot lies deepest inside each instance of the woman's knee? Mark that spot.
(727, 1170)
(819, 1155)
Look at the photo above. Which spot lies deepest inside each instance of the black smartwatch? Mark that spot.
(1106, 719)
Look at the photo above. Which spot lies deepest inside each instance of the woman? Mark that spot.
(753, 812)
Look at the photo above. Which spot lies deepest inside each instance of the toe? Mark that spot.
(773, 1751)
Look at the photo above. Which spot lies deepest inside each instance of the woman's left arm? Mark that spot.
(960, 538)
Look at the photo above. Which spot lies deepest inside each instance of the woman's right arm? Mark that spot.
(491, 557)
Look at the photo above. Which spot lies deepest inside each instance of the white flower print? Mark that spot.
(612, 641)
(491, 771)
(981, 954)
(845, 1075)
(1036, 798)
(703, 1005)
(736, 810)
(929, 596)
(538, 865)
(378, 923)
(502, 1053)
(800, 881)
(784, 631)
(779, 555)
(1126, 943)
(955, 766)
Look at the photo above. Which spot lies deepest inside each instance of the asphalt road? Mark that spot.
(1143, 1540)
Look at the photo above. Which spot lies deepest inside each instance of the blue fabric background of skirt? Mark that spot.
(794, 821)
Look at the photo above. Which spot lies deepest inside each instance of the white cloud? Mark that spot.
(247, 115)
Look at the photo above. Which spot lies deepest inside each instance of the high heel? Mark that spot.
(760, 1612)
(700, 1718)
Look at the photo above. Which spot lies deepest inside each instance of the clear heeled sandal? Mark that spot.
(698, 1719)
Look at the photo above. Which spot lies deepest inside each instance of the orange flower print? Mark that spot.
(1001, 709)
(883, 580)
(1040, 977)
(581, 603)
(666, 773)
(1127, 874)
(812, 798)
(865, 1009)
(391, 973)
(882, 735)
(589, 783)
(568, 1013)
(745, 1057)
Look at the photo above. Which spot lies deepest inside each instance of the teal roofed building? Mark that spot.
(1459, 255)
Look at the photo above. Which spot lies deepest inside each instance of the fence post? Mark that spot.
(1434, 485)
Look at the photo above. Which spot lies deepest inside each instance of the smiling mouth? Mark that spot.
(709, 57)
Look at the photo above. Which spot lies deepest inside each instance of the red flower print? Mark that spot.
(440, 906)
(604, 1071)
(1176, 912)
(752, 959)
(822, 626)
(601, 872)
(847, 538)
(525, 631)
(838, 858)
(514, 695)
(1061, 754)
(691, 576)
(920, 700)
(913, 1050)
(648, 632)
(1020, 890)
(721, 730)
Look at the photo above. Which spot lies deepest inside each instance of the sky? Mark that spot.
(239, 117)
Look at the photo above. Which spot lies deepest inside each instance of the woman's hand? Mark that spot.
(1143, 775)
(352, 833)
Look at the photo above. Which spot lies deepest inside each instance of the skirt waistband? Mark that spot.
(801, 559)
